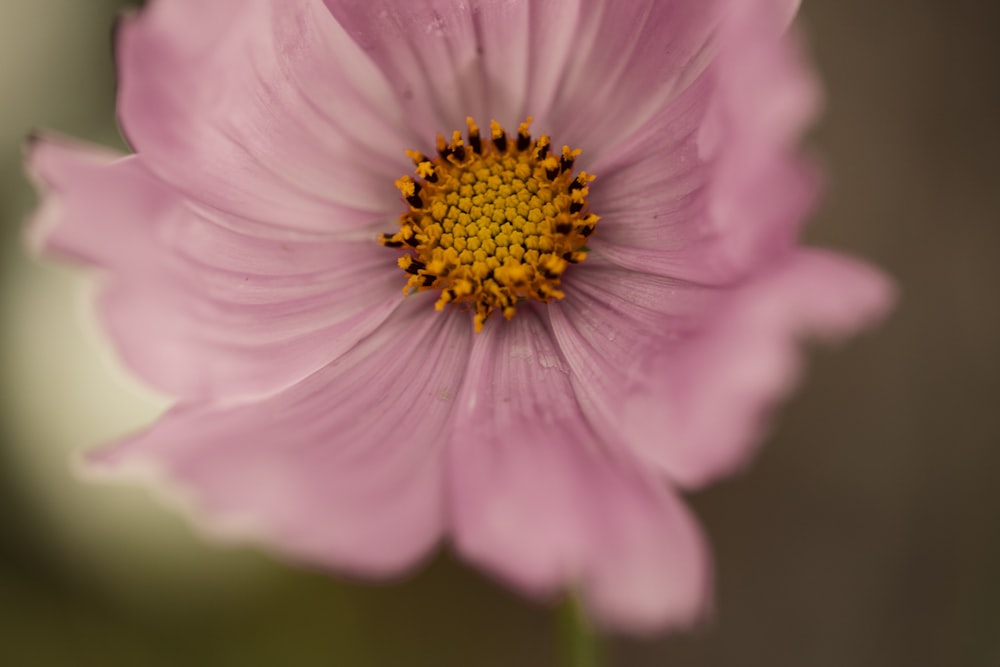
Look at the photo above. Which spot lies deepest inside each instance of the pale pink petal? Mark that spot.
(612, 317)
(652, 194)
(488, 59)
(263, 108)
(429, 52)
(195, 307)
(761, 190)
(627, 61)
(343, 470)
(448, 60)
(536, 499)
(711, 185)
(702, 402)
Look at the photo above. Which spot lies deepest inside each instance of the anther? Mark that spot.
(442, 147)
(410, 190)
(426, 171)
(416, 156)
(457, 147)
(567, 159)
(474, 140)
(523, 135)
(414, 200)
(498, 137)
(542, 147)
(414, 266)
(388, 241)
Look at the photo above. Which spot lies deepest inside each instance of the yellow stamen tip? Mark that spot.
(425, 169)
(406, 186)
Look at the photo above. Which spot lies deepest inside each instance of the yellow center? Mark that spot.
(492, 223)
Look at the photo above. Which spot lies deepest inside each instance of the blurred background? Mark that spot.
(867, 532)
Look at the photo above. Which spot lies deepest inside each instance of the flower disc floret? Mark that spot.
(493, 223)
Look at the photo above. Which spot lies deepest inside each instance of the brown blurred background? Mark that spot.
(866, 534)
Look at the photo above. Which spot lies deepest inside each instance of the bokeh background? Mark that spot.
(867, 532)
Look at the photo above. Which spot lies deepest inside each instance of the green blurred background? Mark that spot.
(867, 533)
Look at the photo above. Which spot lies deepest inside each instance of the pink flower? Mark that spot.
(328, 415)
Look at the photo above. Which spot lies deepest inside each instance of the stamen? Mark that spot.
(474, 140)
(498, 136)
(416, 156)
(567, 159)
(492, 226)
(457, 147)
(523, 135)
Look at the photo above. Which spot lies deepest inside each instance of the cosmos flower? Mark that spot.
(526, 336)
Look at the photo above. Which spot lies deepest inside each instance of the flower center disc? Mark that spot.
(494, 223)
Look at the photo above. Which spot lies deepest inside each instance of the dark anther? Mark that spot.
(412, 242)
(444, 151)
(429, 280)
(576, 185)
(415, 267)
(568, 256)
(389, 243)
(431, 177)
(459, 153)
(541, 150)
(414, 200)
(576, 207)
(551, 174)
(565, 164)
(564, 228)
(587, 230)
(500, 143)
(476, 143)
(523, 141)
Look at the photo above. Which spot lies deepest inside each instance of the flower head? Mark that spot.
(593, 311)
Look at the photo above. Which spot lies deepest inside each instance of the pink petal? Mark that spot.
(627, 61)
(712, 186)
(652, 194)
(610, 318)
(550, 60)
(704, 400)
(429, 51)
(262, 108)
(537, 500)
(761, 190)
(196, 307)
(344, 469)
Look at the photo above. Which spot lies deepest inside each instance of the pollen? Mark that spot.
(492, 223)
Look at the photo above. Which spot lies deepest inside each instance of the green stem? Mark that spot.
(578, 645)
